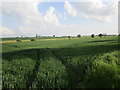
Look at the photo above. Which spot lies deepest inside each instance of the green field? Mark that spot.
(79, 62)
(26, 38)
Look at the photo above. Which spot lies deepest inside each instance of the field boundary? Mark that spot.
(12, 41)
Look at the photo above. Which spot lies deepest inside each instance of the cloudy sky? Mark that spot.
(59, 18)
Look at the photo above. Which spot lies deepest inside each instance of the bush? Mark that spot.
(33, 40)
(18, 40)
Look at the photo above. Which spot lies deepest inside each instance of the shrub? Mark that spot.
(18, 40)
(33, 40)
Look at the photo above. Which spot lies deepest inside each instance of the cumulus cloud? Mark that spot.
(51, 16)
(34, 23)
(6, 31)
(31, 18)
(97, 10)
(24, 12)
(70, 9)
(93, 9)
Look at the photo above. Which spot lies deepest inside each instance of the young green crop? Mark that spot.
(61, 63)
(16, 72)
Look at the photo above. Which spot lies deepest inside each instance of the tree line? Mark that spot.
(92, 35)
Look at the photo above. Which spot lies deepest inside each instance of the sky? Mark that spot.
(63, 18)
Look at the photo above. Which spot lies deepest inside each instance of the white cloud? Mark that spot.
(97, 10)
(65, 18)
(6, 31)
(24, 12)
(70, 9)
(62, 16)
(34, 23)
(32, 20)
(93, 9)
(51, 16)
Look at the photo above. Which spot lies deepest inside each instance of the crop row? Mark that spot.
(46, 68)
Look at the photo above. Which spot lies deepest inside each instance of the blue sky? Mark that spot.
(59, 18)
(59, 8)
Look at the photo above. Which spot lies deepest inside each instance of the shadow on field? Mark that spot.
(60, 54)
(69, 51)
(102, 41)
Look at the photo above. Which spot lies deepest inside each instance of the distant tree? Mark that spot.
(100, 35)
(78, 35)
(104, 34)
(53, 35)
(69, 37)
(92, 35)
(119, 35)
(22, 36)
(36, 35)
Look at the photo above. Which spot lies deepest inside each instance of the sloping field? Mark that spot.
(80, 63)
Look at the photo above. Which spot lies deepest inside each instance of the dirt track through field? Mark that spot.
(29, 40)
